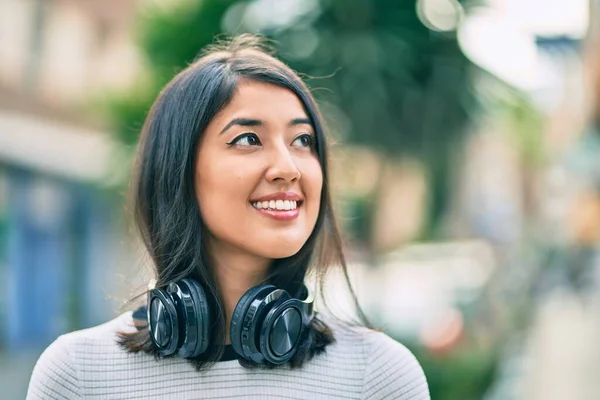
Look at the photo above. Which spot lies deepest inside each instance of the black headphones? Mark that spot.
(266, 324)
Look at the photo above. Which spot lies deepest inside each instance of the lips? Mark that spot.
(279, 215)
(282, 206)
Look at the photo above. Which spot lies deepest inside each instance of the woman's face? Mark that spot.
(258, 179)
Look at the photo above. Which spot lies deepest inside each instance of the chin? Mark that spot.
(279, 249)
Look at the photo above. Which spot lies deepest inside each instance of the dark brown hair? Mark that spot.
(166, 209)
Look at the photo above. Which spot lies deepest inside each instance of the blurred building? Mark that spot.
(61, 231)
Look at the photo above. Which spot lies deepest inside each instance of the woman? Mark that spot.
(232, 202)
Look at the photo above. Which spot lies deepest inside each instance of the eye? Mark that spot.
(245, 139)
(304, 140)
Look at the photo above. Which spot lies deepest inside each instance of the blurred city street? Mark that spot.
(465, 170)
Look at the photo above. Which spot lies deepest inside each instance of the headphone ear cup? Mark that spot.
(163, 321)
(197, 318)
(240, 313)
(280, 331)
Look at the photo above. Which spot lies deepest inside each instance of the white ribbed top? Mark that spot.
(361, 364)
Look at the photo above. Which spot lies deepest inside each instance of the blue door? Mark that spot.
(37, 262)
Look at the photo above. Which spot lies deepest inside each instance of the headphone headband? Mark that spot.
(309, 302)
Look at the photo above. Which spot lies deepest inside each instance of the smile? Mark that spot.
(281, 210)
(280, 205)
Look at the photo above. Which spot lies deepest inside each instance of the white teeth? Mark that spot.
(281, 205)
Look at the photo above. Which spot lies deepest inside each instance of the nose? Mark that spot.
(282, 166)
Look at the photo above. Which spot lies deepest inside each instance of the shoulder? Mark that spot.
(56, 374)
(122, 323)
(99, 341)
(389, 370)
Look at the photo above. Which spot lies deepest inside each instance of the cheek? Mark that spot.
(313, 186)
(221, 193)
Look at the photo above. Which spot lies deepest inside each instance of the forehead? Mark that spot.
(263, 101)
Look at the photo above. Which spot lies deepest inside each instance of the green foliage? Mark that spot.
(526, 126)
(170, 38)
(360, 212)
(465, 373)
(129, 109)
(403, 88)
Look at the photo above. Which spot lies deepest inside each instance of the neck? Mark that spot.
(236, 272)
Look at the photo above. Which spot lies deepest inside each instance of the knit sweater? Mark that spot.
(360, 364)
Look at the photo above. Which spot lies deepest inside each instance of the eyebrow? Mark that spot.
(300, 121)
(257, 122)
